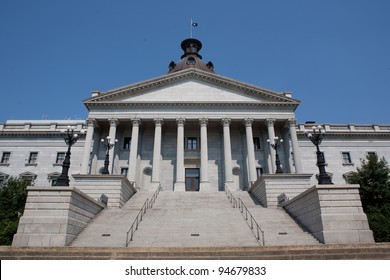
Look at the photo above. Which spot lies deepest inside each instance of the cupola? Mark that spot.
(191, 58)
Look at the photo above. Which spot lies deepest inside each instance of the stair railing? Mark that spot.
(148, 204)
(231, 198)
(138, 219)
(154, 197)
(254, 226)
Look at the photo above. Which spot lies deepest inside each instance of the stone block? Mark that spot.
(332, 213)
(47, 224)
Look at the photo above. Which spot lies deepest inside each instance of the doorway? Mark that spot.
(192, 179)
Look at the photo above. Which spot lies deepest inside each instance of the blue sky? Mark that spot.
(334, 55)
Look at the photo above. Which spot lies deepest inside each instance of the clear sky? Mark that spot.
(334, 55)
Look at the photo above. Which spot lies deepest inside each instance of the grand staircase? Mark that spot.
(192, 219)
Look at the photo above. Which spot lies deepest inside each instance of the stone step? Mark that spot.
(110, 227)
(279, 228)
(376, 251)
(193, 219)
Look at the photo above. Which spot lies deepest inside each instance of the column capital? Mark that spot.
(203, 121)
(292, 122)
(113, 122)
(180, 121)
(270, 122)
(248, 122)
(226, 122)
(158, 121)
(91, 122)
(136, 121)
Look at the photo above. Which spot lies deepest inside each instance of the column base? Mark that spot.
(179, 187)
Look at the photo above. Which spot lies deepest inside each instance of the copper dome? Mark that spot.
(191, 58)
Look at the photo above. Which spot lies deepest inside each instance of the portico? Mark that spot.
(208, 150)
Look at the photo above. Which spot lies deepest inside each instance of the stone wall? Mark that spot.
(54, 216)
(116, 187)
(332, 213)
(269, 187)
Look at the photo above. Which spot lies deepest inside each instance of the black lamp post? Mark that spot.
(316, 138)
(108, 144)
(70, 138)
(275, 145)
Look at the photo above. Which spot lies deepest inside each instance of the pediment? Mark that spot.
(190, 86)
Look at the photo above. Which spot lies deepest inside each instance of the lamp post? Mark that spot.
(70, 138)
(275, 145)
(316, 138)
(108, 144)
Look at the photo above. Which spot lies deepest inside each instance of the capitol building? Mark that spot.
(190, 130)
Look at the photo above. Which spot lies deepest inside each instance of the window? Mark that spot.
(371, 153)
(191, 60)
(192, 143)
(3, 178)
(346, 158)
(124, 171)
(33, 158)
(28, 177)
(126, 143)
(5, 157)
(60, 158)
(256, 143)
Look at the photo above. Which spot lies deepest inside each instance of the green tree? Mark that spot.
(374, 179)
(13, 196)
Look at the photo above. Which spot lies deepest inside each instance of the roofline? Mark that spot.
(151, 83)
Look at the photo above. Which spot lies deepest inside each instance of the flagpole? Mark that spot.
(191, 28)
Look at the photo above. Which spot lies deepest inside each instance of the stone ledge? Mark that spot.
(371, 251)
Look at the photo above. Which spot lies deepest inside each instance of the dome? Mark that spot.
(191, 58)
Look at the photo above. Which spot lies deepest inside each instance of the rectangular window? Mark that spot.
(346, 158)
(256, 143)
(60, 158)
(5, 157)
(192, 143)
(126, 143)
(371, 153)
(33, 158)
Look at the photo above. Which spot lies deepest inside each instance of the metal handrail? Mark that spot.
(148, 204)
(136, 222)
(154, 197)
(231, 198)
(254, 226)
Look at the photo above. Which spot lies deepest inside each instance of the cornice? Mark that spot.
(191, 104)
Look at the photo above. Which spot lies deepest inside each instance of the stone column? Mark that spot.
(271, 136)
(157, 151)
(88, 145)
(250, 151)
(204, 161)
(131, 173)
(180, 181)
(295, 146)
(112, 133)
(227, 151)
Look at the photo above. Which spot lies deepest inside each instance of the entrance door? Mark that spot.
(192, 179)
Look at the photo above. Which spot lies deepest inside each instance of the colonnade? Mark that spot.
(204, 169)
